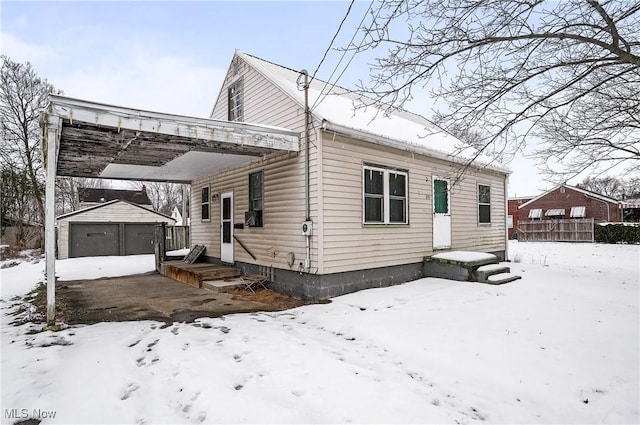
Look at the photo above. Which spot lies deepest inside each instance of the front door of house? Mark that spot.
(226, 228)
(441, 213)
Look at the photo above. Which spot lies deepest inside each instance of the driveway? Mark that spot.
(155, 297)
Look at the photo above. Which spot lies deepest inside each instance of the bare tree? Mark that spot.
(67, 199)
(607, 186)
(567, 72)
(23, 95)
(613, 187)
(164, 196)
(17, 208)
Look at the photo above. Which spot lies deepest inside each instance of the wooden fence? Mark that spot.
(562, 230)
(177, 237)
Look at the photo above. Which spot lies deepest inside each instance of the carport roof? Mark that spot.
(104, 141)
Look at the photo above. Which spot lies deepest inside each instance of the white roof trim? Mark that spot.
(397, 144)
(76, 110)
(105, 204)
(585, 192)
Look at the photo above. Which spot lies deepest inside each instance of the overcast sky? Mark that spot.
(171, 56)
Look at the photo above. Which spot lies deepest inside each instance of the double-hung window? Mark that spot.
(205, 202)
(235, 94)
(484, 204)
(384, 196)
(256, 197)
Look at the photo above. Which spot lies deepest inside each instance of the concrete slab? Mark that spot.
(151, 297)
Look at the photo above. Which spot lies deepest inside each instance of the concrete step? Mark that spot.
(457, 265)
(217, 273)
(223, 285)
(482, 273)
(501, 278)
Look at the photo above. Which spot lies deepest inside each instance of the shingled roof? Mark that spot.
(105, 195)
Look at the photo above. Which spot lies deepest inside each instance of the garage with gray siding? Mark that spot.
(113, 228)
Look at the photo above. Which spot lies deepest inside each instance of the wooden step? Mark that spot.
(195, 274)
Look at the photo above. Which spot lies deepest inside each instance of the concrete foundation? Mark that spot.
(312, 287)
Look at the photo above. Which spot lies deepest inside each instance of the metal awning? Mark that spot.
(104, 141)
(554, 212)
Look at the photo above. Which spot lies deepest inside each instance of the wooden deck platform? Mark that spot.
(197, 273)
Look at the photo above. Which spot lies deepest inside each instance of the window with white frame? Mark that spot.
(484, 204)
(235, 94)
(205, 202)
(384, 195)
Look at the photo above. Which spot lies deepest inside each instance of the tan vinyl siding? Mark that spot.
(284, 193)
(350, 245)
(118, 212)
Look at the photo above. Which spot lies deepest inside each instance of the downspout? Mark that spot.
(307, 196)
(506, 217)
(606, 203)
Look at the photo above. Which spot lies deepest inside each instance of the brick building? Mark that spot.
(566, 201)
(512, 213)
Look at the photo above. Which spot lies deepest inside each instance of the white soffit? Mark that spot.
(187, 167)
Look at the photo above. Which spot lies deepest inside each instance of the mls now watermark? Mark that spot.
(29, 414)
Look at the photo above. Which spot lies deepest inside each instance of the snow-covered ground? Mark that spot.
(559, 346)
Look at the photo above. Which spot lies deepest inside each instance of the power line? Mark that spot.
(317, 101)
(332, 40)
(356, 50)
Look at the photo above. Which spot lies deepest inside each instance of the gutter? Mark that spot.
(405, 146)
(604, 202)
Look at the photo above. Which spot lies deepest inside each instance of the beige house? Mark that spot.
(359, 206)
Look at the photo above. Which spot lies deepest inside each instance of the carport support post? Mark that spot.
(51, 134)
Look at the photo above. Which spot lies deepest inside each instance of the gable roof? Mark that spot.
(105, 204)
(105, 195)
(585, 192)
(346, 112)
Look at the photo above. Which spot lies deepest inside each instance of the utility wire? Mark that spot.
(318, 99)
(332, 41)
(356, 50)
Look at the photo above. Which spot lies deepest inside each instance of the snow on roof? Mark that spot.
(345, 110)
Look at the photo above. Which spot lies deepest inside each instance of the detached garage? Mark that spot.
(112, 228)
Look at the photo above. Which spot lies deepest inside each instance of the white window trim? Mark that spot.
(488, 223)
(236, 111)
(386, 211)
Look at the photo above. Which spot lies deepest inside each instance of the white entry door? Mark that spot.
(226, 228)
(441, 214)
